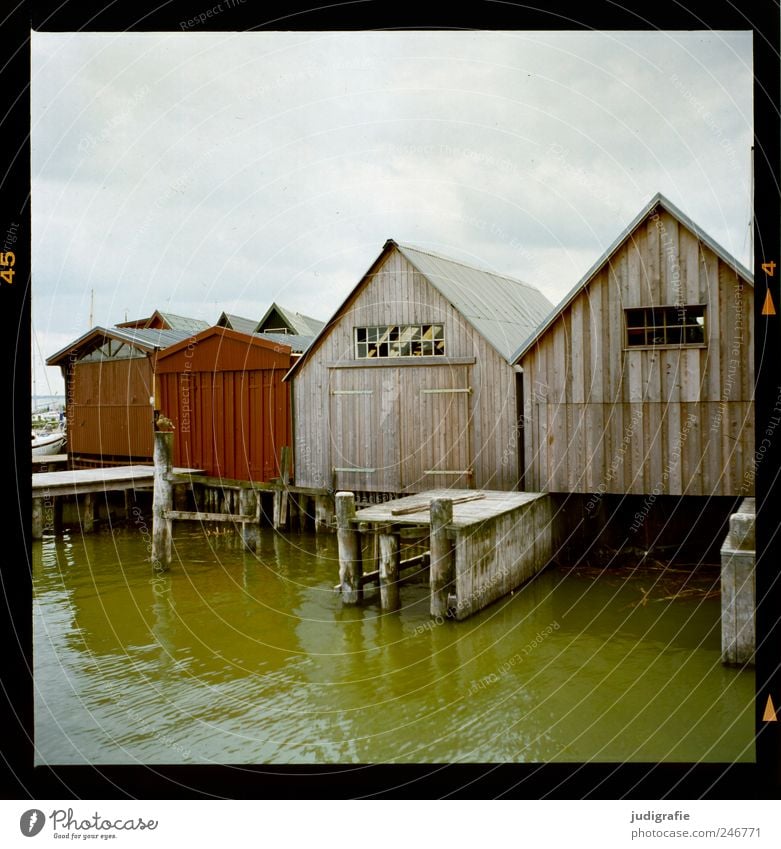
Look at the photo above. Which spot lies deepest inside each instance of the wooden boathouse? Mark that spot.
(413, 381)
(109, 388)
(278, 319)
(223, 391)
(167, 321)
(642, 379)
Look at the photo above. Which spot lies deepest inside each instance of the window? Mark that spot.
(668, 326)
(400, 340)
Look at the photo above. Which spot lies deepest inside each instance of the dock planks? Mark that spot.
(82, 481)
(465, 512)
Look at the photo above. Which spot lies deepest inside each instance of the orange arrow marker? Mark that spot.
(770, 712)
(769, 308)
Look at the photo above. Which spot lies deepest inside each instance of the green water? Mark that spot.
(233, 657)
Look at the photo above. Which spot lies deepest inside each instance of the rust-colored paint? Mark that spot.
(223, 391)
(108, 410)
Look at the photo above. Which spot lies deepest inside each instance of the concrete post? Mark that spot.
(738, 595)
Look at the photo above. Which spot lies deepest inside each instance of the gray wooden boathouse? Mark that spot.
(410, 385)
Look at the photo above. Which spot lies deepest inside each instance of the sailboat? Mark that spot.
(49, 441)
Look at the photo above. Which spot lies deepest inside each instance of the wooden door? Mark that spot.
(436, 449)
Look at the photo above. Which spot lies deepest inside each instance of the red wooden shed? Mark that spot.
(224, 393)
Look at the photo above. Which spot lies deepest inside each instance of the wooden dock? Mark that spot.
(49, 488)
(482, 544)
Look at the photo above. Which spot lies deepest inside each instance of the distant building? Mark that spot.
(223, 391)
(237, 322)
(642, 379)
(410, 385)
(167, 321)
(109, 393)
(281, 320)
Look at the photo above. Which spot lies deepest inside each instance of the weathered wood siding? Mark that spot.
(393, 426)
(599, 418)
(501, 554)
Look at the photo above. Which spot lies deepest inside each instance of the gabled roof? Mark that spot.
(503, 310)
(658, 200)
(301, 325)
(226, 333)
(298, 344)
(237, 322)
(171, 320)
(145, 340)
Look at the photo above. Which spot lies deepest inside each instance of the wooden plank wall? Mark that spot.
(666, 421)
(108, 409)
(500, 554)
(396, 293)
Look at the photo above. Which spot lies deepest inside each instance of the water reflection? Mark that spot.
(237, 657)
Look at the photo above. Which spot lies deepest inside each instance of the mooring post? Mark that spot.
(324, 510)
(248, 506)
(162, 500)
(738, 594)
(349, 544)
(88, 513)
(442, 560)
(37, 518)
(389, 571)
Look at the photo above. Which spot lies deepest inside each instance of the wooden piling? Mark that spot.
(162, 501)
(248, 506)
(389, 572)
(88, 513)
(442, 559)
(738, 594)
(349, 544)
(324, 510)
(37, 518)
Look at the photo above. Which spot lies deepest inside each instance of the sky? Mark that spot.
(201, 172)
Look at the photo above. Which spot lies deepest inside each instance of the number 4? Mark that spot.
(769, 268)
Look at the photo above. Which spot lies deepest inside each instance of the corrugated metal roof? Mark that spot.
(149, 337)
(183, 322)
(302, 325)
(503, 310)
(657, 200)
(297, 343)
(237, 322)
(141, 338)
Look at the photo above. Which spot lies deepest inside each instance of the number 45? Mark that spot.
(7, 259)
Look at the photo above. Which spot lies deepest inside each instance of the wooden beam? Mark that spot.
(189, 516)
(403, 511)
(389, 572)
(442, 559)
(162, 501)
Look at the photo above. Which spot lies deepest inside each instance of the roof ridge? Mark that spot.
(465, 264)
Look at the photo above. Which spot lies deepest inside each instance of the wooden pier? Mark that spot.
(482, 545)
(49, 488)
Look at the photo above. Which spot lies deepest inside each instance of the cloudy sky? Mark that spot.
(201, 172)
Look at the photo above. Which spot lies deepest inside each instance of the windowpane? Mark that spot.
(394, 340)
(670, 326)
